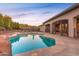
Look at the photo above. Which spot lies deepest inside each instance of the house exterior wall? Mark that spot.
(71, 21)
(42, 28)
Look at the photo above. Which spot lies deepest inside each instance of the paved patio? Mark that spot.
(4, 46)
(65, 46)
(71, 45)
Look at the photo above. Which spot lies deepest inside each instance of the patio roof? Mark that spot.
(64, 12)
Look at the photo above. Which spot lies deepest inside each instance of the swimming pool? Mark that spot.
(20, 44)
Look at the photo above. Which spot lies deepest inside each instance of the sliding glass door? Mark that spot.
(47, 28)
(78, 27)
(64, 27)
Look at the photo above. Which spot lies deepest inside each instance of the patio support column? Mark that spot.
(71, 27)
(51, 28)
(44, 28)
(75, 27)
(60, 27)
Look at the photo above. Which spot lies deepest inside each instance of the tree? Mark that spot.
(7, 22)
(16, 25)
(1, 20)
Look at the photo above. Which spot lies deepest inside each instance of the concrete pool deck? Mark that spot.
(65, 46)
(4, 46)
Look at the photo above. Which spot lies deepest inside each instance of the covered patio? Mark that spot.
(47, 28)
(60, 27)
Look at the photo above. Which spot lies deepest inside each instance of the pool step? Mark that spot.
(48, 41)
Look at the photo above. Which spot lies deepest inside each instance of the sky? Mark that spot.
(32, 13)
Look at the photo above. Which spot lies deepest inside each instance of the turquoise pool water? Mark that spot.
(20, 44)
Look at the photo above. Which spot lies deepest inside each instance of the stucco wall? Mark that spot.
(42, 28)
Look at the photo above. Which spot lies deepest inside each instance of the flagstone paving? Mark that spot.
(4, 46)
(71, 45)
(65, 46)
